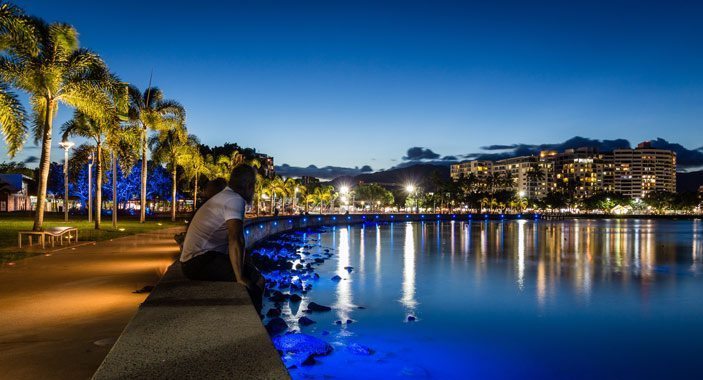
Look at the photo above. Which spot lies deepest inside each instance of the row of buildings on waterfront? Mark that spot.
(581, 172)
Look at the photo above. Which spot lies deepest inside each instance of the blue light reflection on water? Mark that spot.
(511, 299)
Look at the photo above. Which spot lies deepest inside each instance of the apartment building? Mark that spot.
(644, 169)
(583, 171)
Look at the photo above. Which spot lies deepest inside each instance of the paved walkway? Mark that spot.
(60, 314)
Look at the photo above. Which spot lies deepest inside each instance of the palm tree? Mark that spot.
(83, 126)
(193, 163)
(166, 147)
(123, 142)
(149, 110)
(13, 118)
(51, 69)
(275, 187)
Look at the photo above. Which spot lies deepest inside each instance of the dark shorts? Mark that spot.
(216, 266)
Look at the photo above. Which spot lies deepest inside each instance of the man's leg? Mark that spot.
(210, 266)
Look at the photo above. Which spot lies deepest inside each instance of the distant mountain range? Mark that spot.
(689, 182)
(398, 177)
(685, 182)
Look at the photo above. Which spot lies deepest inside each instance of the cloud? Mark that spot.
(327, 172)
(417, 153)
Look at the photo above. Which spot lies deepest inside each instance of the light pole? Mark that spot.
(66, 145)
(90, 187)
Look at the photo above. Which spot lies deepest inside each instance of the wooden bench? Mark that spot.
(53, 233)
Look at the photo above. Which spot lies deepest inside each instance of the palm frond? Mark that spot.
(63, 38)
(13, 121)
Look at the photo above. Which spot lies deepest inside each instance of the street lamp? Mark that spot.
(90, 187)
(66, 145)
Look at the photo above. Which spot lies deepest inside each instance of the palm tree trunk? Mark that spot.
(99, 187)
(142, 199)
(195, 192)
(173, 195)
(114, 189)
(44, 164)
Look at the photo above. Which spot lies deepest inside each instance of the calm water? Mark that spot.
(514, 299)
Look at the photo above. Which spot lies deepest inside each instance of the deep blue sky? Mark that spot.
(351, 84)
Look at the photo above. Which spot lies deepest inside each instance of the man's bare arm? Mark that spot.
(235, 234)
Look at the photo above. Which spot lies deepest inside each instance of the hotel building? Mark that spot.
(582, 171)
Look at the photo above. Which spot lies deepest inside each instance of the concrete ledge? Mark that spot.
(193, 330)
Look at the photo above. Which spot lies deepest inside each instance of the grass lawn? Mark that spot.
(10, 225)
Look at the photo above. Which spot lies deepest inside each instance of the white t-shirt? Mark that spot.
(208, 230)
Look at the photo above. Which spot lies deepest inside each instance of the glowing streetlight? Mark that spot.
(522, 193)
(344, 190)
(410, 189)
(66, 145)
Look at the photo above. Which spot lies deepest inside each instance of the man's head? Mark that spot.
(242, 181)
(214, 186)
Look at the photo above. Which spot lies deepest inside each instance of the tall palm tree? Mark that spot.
(83, 126)
(193, 164)
(123, 142)
(149, 110)
(51, 69)
(166, 147)
(275, 187)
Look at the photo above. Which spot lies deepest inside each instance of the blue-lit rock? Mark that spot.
(336, 278)
(305, 321)
(274, 312)
(276, 326)
(301, 344)
(313, 306)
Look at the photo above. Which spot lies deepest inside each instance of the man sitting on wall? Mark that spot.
(214, 247)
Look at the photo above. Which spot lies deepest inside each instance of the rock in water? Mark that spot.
(336, 278)
(310, 360)
(358, 349)
(349, 269)
(273, 312)
(276, 326)
(295, 298)
(305, 321)
(302, 344)
(312, 306)
(411, 318)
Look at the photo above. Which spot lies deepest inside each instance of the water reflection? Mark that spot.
(344, 290)
(408, 298)
(511, 296)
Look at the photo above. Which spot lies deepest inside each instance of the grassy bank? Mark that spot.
(11, 225)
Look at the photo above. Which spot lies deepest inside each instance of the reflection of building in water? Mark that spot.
(408, 298)
(378, 254)
(697, 246)
(344, 291)
(521, 254)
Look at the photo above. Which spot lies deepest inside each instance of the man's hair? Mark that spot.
(242, 178)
